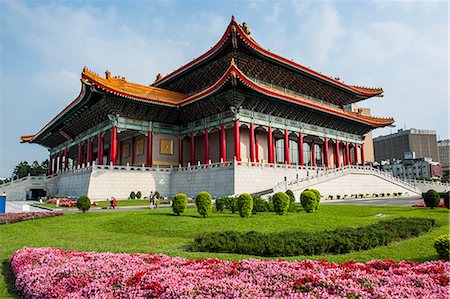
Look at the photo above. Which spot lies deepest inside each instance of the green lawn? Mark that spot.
(159, 231)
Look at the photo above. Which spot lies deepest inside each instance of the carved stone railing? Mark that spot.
(319, 177)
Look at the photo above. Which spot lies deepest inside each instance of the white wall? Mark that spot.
(119, 183)
(218, 181)
(255, 179)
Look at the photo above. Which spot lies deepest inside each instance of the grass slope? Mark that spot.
(159, 231)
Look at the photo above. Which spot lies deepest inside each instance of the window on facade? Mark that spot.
(293, 149)
(279, 151)
(318, 154)
(307, 153)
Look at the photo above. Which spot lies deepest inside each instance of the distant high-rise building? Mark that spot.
(414, 142)
(444, 153)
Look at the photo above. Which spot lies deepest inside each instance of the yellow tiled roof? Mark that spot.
(121, 86)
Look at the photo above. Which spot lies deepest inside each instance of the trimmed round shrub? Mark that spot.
(431, 198)
(441, 244)
(83, 203)
(310, 200)
(245, 205)
(132, 195)
(446, 199)
(179, 203)
(203, 201)
(291, 195)
(220, 204)
(316, 192)
(280, 203)
(259, 204)
(138, 195)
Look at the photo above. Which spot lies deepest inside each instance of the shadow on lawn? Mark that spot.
(10, 279)
(173, 214)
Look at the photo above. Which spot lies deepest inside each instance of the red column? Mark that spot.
(237, 141)
(192, 148)
(270, 145)
(256, 148)
(80, 154)
(133, 142)
(148, 145)
(287, 157)
(223, 143)
(356, 154)
(113, 147)
(252, 142)
(180, 150)
(206, 146)
(301, 159)
(337, 154)
(55, 163)
(326, 152)
(347, 152)
(362, 154)
(49, 165)
(89, 151)
(100, 148)
(313, 155)
(66, 159)
(61, 154)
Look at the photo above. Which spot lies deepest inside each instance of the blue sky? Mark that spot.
(400, 46)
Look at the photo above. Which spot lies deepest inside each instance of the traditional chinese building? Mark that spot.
(236, 102)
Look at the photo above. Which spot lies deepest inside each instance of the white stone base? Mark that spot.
(219, 179)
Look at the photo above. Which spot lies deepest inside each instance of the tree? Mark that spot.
(23, 169)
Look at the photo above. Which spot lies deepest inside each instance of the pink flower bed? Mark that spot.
(422, 205)
(8, 218)
(55, 273)
(65, 202)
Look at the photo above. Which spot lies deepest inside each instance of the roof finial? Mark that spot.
(232, 18)
(158, 77)
(107, 74)
(246, 28)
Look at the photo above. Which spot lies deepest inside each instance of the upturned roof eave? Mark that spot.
(365, 92)
(234, 71)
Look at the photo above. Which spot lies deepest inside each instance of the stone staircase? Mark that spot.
(347, 180)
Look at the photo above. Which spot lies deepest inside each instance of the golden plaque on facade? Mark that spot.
(166, 147)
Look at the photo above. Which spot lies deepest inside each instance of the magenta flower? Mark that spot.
(55, 273)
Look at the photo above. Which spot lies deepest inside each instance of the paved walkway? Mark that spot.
(394, 201)
(16, 206)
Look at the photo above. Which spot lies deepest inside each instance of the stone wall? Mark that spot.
(120, 181)
(72, 183)
(216, 179)
(252, 179)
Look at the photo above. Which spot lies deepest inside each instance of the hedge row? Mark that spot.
(339, 241)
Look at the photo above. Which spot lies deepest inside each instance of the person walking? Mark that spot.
(114, 202)
(155, 198)
(150, 200)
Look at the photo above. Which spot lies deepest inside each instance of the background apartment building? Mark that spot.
(422, 143)
(444, 153)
